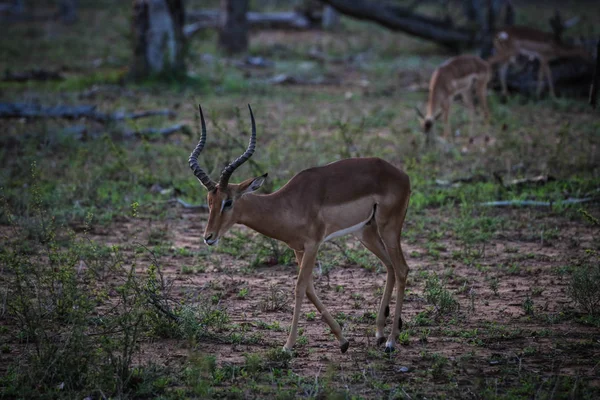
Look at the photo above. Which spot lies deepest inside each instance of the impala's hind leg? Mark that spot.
(390, 231)
(481, 90)
(369, 237)
(468, 100)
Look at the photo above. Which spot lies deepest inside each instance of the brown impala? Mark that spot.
(457, 75)
(367, 197)
(513, 41)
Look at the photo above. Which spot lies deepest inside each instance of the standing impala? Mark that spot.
(513, 41)
(367, 197)
(458, 75)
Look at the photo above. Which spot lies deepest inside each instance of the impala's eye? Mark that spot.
(227, 204)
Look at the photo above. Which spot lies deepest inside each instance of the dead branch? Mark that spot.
(119, 116)
(596, 79)
(284, 79)
(536, 203)
(201, 207)
(515, 183)
(28, 110)
(211, 19)
(156, 133)
(458, 181)
(190, 29)
(404, 20)
(32, 75)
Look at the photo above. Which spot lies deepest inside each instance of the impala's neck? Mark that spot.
(263, 214)
(434, 100)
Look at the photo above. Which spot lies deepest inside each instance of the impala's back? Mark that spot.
(456, 75)
(345, 194)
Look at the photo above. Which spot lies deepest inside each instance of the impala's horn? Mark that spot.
(419, 113)
(208, 183)
(226, 174)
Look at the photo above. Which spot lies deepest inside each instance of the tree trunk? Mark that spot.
(596, 79)
(233, 34)
(159, 42)
(402, 19)
(331, 18)
(67, 11)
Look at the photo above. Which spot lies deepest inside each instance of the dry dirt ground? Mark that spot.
(515, 326)
(513, 333)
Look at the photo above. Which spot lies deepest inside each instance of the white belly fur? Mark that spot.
(463, 84)
(351, 229)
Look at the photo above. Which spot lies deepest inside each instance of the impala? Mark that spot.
(513, 41)
(458, 75)
(367, 197)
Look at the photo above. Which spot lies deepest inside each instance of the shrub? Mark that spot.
(584, 288)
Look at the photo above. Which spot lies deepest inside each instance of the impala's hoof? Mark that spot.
(344, 346)
(389, 348)
(286, 350)
(380, 341)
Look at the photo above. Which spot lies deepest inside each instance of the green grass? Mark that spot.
(94, 257)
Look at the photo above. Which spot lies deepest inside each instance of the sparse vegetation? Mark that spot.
(107, 291)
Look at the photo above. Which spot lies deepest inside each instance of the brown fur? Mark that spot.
(457, 75)
(513, 41)
(368, 195)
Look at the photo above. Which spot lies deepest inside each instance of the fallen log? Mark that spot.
(29, 110)
(32, 75)
(569, 75)
(285, 79)
(153, 132)
(211, 19)
(479, 178)
(404, 20)
(536, 203)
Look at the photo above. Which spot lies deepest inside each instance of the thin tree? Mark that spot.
(233, 30)
(158, 39)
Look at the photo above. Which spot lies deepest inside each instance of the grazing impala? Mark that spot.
(458, 75)
(367, 197)
(513, 41)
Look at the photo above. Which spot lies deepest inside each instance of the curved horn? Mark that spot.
(226, 174)
(193, 160)
(419, 112)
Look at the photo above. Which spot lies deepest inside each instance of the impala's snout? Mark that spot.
(427, 124)
(210, 239)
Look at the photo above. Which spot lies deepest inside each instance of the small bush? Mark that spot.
(440, 297)
(584, 288)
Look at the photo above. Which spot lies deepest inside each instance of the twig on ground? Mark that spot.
(165, 132)
(536, 203)
(189, 206)
(32, 75)
(28, 110)
(284, 79)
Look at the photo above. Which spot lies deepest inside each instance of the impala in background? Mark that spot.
(458, 75)
(367, 197)
(513, 41)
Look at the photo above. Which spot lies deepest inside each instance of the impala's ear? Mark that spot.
(252, 185)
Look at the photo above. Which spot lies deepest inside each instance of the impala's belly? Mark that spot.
(462, 84)
(346, 219)
(529, 53)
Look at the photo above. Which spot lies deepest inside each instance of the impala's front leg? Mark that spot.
(307, 258)
(312, 296)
